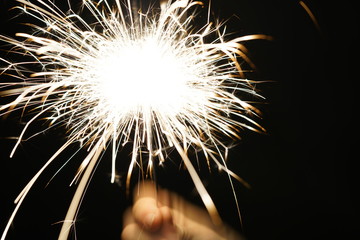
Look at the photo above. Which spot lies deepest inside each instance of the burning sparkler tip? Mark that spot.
(154, 82)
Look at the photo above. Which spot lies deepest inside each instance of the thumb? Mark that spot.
(145, 209)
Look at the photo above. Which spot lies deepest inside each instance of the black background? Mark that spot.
(302, 172)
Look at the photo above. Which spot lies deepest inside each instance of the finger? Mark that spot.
(166, 215)
(133, 231)
(130, 227)
(129, 232)
(145, 210)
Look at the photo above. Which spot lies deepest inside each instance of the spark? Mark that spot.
(311, 15)
(147, 79)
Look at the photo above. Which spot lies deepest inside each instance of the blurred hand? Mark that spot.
(158, 214)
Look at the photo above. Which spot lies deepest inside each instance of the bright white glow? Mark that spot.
(143, 77)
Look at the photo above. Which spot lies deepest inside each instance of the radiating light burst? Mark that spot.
(149, 79)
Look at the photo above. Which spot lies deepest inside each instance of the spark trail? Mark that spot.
(147, 79)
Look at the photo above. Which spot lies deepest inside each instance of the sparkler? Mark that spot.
(149, 80)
